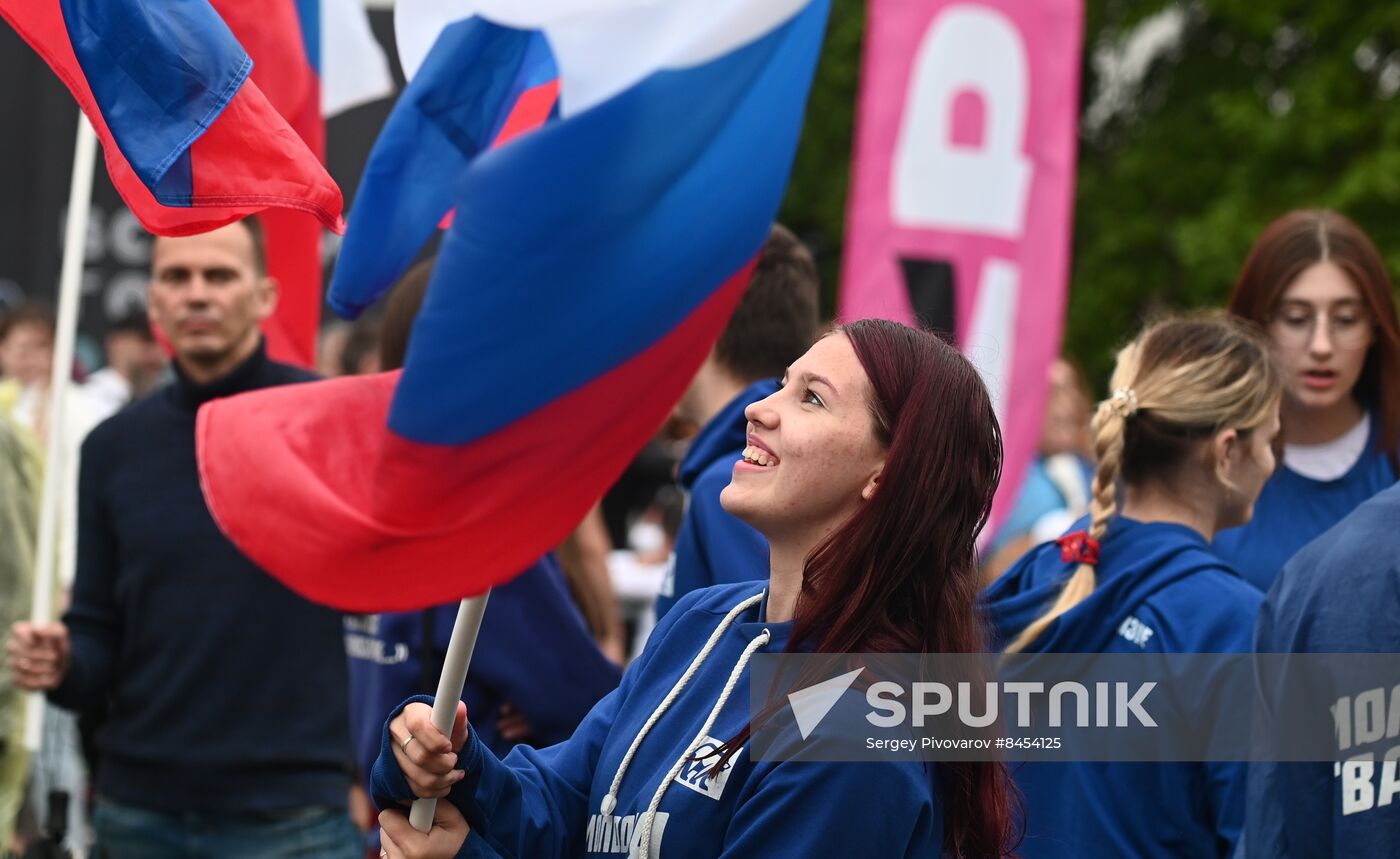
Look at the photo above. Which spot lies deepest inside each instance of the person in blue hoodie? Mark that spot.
(535, 673)
(1318, 285)
(1187, 434)
(870, 472)
(1340, 594)
(773, 325)
(536, 670)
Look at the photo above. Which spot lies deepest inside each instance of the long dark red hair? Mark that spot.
(901, 575)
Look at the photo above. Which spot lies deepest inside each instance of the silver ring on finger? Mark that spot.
(404, 745)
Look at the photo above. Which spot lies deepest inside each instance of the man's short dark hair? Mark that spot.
(776, 320)
(259, 237)
(255, 232)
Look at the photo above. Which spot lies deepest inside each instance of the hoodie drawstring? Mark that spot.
(650, 817)
(610, 800)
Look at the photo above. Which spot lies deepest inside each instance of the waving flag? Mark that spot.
(289, 40)
(284, 42)
(590, 266)
(190, 142)
(445, 118)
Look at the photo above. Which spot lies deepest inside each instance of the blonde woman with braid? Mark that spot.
(1183, 447)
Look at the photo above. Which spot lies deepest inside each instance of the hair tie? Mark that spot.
(1079, 548)
(1124, 402)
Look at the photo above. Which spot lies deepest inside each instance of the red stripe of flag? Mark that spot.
(270, 31)
(364, 518)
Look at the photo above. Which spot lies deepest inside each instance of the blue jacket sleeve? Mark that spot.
(534, 802)
(1264, 833)
(713, 547)
(93, 618)
(1289, 806)
(1225, 625)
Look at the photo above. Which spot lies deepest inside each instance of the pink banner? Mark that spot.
(963, 189)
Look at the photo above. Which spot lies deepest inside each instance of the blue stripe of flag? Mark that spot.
(161, 71)
(581, 244)
(449, 113)
(309, 11)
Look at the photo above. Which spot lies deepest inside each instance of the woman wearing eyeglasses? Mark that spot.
(1319, 287)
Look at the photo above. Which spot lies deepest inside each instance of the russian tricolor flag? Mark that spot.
(448, 114)
(590, 265)
(190, 141)
(310, 56)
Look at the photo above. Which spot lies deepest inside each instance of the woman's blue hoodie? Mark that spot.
(1158, 589)
(559, 801)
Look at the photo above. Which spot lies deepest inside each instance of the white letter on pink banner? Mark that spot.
(963, 189)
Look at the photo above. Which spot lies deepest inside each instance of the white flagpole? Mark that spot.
(449, 690)
(69, 282)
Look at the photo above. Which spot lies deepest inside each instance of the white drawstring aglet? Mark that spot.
(609, 803)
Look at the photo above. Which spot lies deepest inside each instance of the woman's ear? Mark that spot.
(867, 491)
(1226, 450)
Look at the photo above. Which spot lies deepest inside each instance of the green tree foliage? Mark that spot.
(1256, 107)
(1262, 106)
(815, 207)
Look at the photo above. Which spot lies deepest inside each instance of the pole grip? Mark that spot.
(449, 689)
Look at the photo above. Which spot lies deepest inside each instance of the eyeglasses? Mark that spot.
(1294, 326)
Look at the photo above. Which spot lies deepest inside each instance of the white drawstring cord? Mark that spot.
(610, 801)
(650, 817)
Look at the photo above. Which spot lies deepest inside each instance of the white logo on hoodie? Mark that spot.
(696, 774)
(1135, 631)
(609, 834)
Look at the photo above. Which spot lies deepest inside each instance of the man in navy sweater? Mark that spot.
(197, 653)
(773, 325)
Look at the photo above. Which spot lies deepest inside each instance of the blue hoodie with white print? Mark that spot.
(1340, 594)
(1159, 590)
(591, 794)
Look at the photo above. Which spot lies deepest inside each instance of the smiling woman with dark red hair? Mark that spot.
(1318, 285)
(870, 472)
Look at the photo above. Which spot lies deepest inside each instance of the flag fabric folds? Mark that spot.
(590, 265)
(283, 39)
(190, 142)
(471, 83)
(308, 56)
